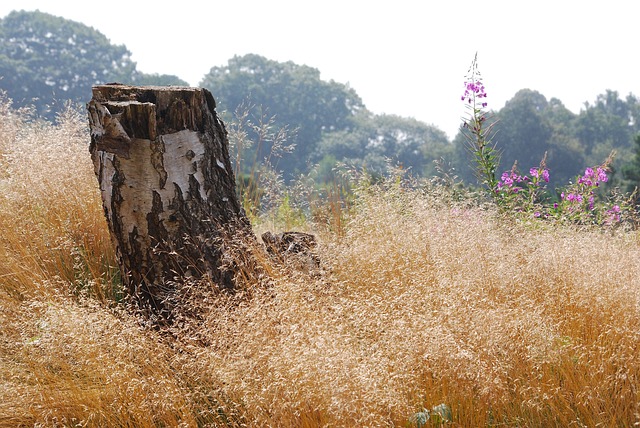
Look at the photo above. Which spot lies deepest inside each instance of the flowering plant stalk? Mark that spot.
(523, 194)
(479, 130)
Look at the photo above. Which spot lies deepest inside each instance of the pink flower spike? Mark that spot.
(602, 175)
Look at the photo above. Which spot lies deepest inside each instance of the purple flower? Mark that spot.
(537, 173)
(614, 214)
(474, 89)
(572, 197)
(588, 173)
(545, 175)
(602, 175)
(587, 181)
(507, 179)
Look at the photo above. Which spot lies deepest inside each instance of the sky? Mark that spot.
(402, 57)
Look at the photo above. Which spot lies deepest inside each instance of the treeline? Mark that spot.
(46, 61)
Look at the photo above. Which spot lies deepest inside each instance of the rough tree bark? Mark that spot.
(162, 162)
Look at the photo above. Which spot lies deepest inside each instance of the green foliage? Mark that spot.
(631, 170)
(46, 60)
(294, 94)
(610, 121)
(155, 79)
(527, 128)
(288, 216)
(330, 118)
(527, 133)
(259, 185)
(377, 139)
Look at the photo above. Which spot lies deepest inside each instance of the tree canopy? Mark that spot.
(332, 121)
(46, 60)
(631, 169)
(293, 93)
(375, 140)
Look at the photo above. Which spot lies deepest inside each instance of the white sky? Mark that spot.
(402, 57)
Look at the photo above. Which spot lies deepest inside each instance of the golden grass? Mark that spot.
(421, 302)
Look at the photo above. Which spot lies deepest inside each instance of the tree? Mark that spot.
(46, 60)
(631, 169)
(155, 79)
(608, 124)
(524, 133)
(294, 94)
(375, 140)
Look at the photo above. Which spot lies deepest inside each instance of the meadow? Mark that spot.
(424, 298)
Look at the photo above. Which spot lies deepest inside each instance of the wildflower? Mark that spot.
(506, 179)
(545, 175)
(540, 173)
(585, 180)
(473, 87)
(602, 175)
(588, 172)
(474, 90)
(613, 214)
(571, 197)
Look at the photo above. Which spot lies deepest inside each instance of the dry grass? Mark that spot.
(422, 302)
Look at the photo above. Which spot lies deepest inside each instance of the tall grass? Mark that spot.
(422, 300)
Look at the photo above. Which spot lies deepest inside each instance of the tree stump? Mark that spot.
(296, 247)
(162, 162)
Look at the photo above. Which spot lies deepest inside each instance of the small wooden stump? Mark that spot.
(293, 248)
